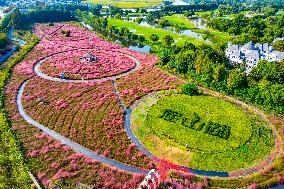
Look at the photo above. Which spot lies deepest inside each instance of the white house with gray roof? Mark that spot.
(251, 54)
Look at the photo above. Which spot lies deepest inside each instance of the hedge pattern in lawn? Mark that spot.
(219, 135)
(192, 122)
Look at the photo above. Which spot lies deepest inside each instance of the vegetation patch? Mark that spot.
(218, 135)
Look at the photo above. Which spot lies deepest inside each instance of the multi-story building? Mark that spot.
(251, 54)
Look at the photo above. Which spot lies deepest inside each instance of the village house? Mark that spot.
(251, 54)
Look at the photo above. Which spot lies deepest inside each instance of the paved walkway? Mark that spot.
(69, 142)
(141, 147)
(38, 71)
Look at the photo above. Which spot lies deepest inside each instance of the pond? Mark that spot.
(8, 54)
(179, 2)
(131, 45)
(199, 22)
(192, 34)
(189, 33)
(139, 48)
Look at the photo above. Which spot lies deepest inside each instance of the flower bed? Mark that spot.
(88, 114)
(148, 79)
(74, 65)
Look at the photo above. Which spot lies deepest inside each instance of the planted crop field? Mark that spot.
(70, 102)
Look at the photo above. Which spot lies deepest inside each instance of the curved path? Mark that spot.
(127, 124)
(141, 147)
(38, 71)
(77, 147)
(66, 141)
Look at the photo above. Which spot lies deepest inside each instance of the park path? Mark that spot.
(68, 142)
(39, 72)
(142, 148)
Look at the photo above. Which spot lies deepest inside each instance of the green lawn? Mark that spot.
(147, 31)
(127, 3)
(166, 134)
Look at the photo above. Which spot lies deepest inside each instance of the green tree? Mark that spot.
(138, 20)
(184, 61)
(190, 89)
(236, 80)
(168, 40)
(279, 45)
(4, 40)
(16, 18)
(154, 37)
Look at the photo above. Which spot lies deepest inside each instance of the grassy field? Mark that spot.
(249, 139)
(127, 3)
(215, 36)
(147, 31)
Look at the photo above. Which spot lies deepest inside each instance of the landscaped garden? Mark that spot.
(205, 132)
(73, 127)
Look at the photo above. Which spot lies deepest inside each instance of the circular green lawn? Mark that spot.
(201, 132)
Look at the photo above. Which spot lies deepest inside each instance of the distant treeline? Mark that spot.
(48, 14)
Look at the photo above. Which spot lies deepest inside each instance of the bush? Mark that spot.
(190, 89)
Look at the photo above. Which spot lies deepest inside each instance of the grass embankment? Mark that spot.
(220, 136)
(214, 36)
(147, 31)
(127, 3)
(13, 172)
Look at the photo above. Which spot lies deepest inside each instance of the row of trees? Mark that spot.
(101, 24)
(257, 28)
(264, 86)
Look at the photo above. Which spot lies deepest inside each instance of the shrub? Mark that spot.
(190, 89)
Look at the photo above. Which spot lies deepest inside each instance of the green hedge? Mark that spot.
(13, 172)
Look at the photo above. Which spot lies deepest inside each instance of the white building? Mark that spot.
(251, 54)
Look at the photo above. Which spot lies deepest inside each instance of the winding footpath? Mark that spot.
(68, 142)
(39, 72)
(141, 147)
(127, 121)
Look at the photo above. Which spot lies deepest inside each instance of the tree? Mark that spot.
(165, 56)
(4, 40)
(219, 73)
(279, 45)
(184, 61)
(138, 20)
(117, 16)
(236, 80)
(190, 89)
(141, 38)
(154, 37)
(168, 40)
(16, 18)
